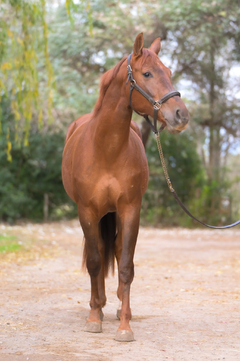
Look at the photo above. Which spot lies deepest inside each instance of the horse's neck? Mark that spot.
(112, 123)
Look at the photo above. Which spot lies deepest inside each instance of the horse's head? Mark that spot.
(155, 79)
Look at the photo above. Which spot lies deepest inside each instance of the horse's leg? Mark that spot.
(118, 252)
(130, 225)
(101, 284)
(94, 266)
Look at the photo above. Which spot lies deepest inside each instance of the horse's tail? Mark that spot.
(108, 233)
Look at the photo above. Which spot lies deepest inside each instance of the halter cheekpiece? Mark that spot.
(156, 103)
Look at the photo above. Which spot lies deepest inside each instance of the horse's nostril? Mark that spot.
(178, 116)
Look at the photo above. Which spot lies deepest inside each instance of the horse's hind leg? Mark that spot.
(130, 225)
(94, 267)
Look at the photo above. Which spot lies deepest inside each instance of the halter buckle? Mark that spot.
(129, 69)
(157, 106)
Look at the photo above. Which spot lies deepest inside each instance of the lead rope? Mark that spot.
(157, 135)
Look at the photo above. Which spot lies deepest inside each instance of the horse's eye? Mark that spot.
(147, 74)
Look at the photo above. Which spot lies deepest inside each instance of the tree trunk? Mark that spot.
(45, 207)
(214, 137)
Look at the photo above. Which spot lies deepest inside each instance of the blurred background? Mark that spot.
(52, 56)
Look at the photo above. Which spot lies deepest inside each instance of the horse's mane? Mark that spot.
(106, 80)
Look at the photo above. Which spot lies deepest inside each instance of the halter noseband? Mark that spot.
(156, 103)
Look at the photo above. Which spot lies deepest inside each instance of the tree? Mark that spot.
(81, 44)
(83, 39)
(24, 62)
(205, 47)
(83, 50)
(203, 40)
(33, 174)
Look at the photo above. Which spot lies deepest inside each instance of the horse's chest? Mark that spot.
(107, 189)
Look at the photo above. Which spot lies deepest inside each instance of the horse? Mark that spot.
(105, 172)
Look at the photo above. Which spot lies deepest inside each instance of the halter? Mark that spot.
(157, 104)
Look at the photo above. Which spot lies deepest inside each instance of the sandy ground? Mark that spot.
(185, 297)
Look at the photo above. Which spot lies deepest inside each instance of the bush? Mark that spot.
(34, 171)
(186, 173)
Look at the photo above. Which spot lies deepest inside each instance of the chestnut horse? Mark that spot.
(105, 171)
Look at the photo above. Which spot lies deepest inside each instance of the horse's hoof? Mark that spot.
(95, 327)
(118, 313)
(124, 336)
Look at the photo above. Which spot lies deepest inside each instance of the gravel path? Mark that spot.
(185, 297)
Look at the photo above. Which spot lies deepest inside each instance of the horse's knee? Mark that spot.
(94, 264)
(102, 300)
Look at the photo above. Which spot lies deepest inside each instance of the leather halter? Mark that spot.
(157, 104)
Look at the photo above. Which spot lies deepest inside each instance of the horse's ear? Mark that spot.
(156, 46)
(138, 45)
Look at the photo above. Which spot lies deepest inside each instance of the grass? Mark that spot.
(9, 244)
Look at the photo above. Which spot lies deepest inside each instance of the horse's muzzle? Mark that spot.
(177, 121)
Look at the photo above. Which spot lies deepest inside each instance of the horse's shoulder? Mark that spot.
(136, 129)
(136, 144)
(136, 137)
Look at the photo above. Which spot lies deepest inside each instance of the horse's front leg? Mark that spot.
(93, 254)
(130, 225)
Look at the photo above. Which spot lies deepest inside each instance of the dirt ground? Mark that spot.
(185, 297)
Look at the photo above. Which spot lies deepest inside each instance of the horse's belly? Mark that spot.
(67, 172)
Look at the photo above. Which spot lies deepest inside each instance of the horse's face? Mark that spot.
(155, 78)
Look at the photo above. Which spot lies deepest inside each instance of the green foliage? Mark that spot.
(210, 202)
(78, 41)
(34, 171)
(24, 48)
(185, 171)
(204, 45)
(213, 203)
(101, 33)
(8, 244)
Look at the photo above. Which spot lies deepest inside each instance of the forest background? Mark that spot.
(52, 56)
